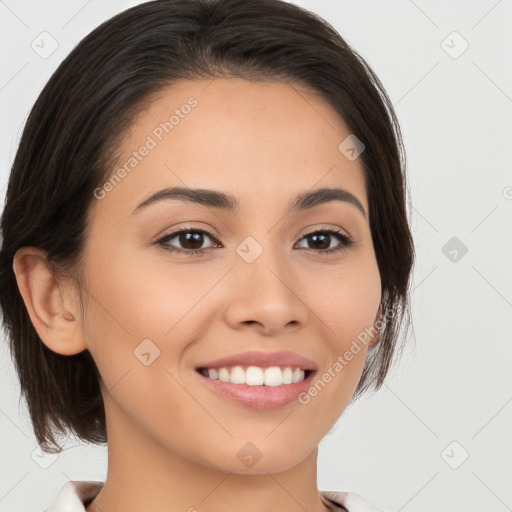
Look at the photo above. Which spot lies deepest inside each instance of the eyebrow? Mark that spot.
(220, 200)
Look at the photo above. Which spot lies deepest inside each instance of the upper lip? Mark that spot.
(282, 358)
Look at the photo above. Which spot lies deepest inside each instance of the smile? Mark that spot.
(256, 376)
(269, 389)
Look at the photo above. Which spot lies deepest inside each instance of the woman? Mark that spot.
(206, 254)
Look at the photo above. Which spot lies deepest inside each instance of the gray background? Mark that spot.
(405, 447)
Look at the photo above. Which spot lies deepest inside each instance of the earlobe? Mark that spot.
(50, 309)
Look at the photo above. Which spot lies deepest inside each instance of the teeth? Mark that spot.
(256, 376)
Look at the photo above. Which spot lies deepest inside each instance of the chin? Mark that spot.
(252, 461)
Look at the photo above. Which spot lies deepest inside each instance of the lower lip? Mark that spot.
(263, 398)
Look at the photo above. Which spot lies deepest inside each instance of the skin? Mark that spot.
(173, 444)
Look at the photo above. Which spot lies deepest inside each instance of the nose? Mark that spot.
(264, 295)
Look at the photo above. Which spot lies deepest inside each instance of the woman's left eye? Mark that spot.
(325, 237)
(192, 239)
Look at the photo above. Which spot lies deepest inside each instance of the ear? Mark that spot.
(50, 303)
(377, 327)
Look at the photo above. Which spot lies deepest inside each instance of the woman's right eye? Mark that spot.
(191, 237)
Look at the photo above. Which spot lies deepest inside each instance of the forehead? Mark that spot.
(262, 142)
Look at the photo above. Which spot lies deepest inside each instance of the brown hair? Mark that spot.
(66, 152)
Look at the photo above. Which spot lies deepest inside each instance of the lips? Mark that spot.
(223, 377)
(282, 358)
(258, 397)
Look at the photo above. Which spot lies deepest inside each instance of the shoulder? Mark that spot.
(350, 501)
(73, 494)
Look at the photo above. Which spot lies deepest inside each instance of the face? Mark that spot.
(261, 276)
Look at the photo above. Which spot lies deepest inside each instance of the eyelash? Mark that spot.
(346, 241)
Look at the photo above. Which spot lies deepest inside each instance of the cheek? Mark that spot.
(136, 296)
(347, 306)
(143, 296)
(136, 329)
(348, 299)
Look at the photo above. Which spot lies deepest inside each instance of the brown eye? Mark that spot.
(321, 241)
(191, 241)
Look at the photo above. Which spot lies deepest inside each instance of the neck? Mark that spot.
(145, 475)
